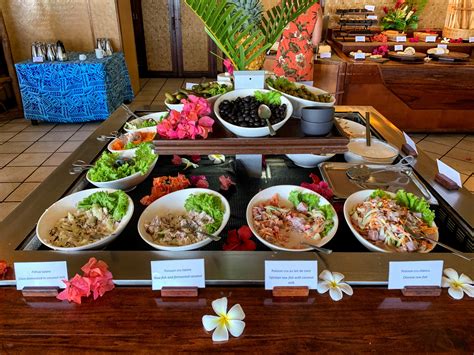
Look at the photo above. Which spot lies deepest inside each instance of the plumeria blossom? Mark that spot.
(216, 158)
(458, 285)
(332, 281)
(225, 322)
(189, 164)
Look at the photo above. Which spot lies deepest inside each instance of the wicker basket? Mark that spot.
(459, 19)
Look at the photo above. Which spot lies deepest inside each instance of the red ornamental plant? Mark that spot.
(192, 122)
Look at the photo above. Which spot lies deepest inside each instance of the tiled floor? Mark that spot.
(28, 154)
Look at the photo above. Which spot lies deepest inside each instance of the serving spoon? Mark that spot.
(315, 247)
(265, 113)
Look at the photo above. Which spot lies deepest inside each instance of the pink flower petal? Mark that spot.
(225, 182)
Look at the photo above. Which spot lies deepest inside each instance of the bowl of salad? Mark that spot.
(114, 171)
(386, 222)
(126, 145)
(300, 95)
(238, 111)
(174, 221)
(284, 217)
(210, 91)
(145, 123)
(88, 219)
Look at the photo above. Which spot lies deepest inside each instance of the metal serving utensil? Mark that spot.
(362, 171)
(112, 135)
(130, 112)
(422, 237)
(79, 166)
(319, 249)
(265, 113)
(211, 236)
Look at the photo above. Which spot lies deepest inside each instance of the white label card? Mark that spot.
(371, 17)
(359, 55)
(449, 172)
(249, 79)
(471, 39)
(369, 7)
(414, 273)
(410, 141)
(443, 45)
(189, 86)
(38, 59)
(401, 39)
(430, 39)
(186, 273)
(360, 38)
(325, 55)
(398, 47)
(40, 274)
(291, 273)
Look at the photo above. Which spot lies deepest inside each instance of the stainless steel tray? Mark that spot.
(334, 173)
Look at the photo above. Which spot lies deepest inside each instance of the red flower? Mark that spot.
(75, 289)
(385, 9)
(3, 268)
(199, 181)
(176, 160)
(318, 186)
(240, 240)
(226, 182)
(195, 158)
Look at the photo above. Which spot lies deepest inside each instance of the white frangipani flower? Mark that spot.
(224, 322)
(216, 158)
(189, 163)
(332, 281)
(458, 285)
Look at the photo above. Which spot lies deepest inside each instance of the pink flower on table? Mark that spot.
(75, 289)
(100, 285)
(95, 268)
(199, 181)
(195, 158)
(225, 182)
(199, 104)
(186, 129)
(176, 160)
(205, 126)
(229, 67)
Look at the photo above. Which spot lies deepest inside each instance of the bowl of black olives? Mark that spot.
(238, 111)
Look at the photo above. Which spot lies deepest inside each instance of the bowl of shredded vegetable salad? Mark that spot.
(284, 217)
(390, 222)
(85, 220)
(145, 123)
(174, 222)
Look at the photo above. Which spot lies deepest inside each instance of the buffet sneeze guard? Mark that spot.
(130, 261)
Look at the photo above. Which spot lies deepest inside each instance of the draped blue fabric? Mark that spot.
(74, 91)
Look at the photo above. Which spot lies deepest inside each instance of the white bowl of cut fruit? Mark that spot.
(237, 111)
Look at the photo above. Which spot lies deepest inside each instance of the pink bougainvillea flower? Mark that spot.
(318, 186)
(229, 67)
(195, 158)
(199, 181)
(414, 39)
(199, 104)
(100, 285)
(225, 182)
(77, 288)
(95, 268)
(176, 160)
(240, 240)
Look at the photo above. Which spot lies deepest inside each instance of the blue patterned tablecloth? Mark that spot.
(74, 91)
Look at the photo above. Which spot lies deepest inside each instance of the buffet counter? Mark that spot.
(132, 318)
(418, 97)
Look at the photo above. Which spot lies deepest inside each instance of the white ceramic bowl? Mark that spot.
(308, 160)
(126, 183)
(67, 204)
(352, 156)
(284, 191)
(299, 103)
(250, 132)
(176, 107)
(156, 116)
(352, 201)
(174, 203)
(125, 153)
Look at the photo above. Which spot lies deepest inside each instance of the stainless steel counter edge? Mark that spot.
(132, 267)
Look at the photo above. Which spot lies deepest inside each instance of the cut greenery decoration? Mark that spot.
(241, 30)
(403, 16)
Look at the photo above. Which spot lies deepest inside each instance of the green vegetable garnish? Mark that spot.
(411, 201)
(209, 204)
(310, 200)
(115, 202)
(108, 168)
(268, 98)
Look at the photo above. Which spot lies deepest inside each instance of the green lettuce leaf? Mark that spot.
(311, 200)
(268, 98)
(416, 204)
(115, 202)
(380, 193)
(208, 203)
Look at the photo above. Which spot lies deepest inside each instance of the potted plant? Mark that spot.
(242, 30)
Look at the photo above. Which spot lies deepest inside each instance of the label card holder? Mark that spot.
(447, 176)
(401, 39)
(325, 55)
(358, 56)
(371, 17)
(409, 148)
(443, 45)
(287, 278)
(369, 7)
(471, 39)
(398, 47)
(415, 273)
(178, 278)
(40, 275)
(430, 39)
(360, 38)
(249, 79)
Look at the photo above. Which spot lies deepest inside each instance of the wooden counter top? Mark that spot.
(137, 319)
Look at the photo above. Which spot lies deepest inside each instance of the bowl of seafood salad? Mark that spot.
(146, 123)
(114, 171)
(88, 219)
(174, 221)
(386, 222)
(285, 217)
